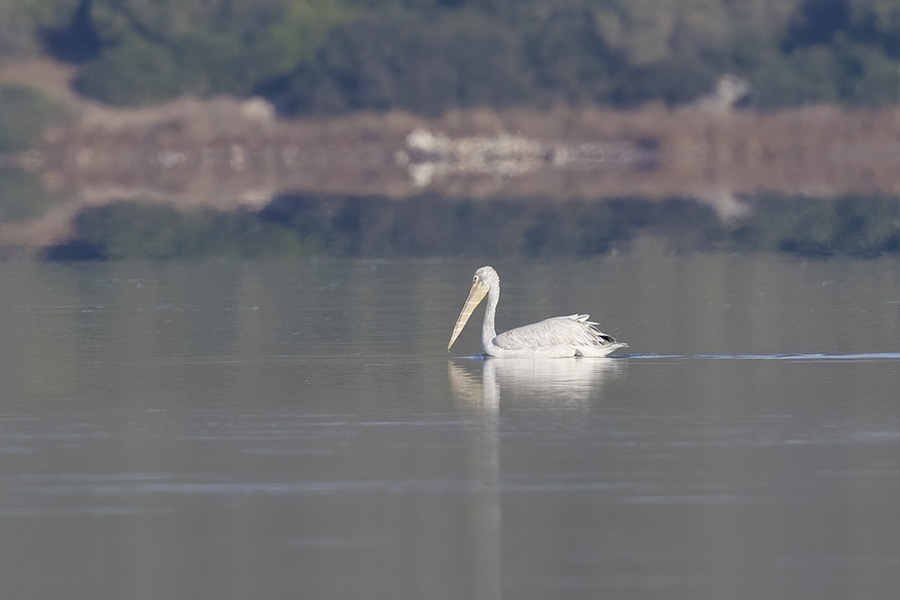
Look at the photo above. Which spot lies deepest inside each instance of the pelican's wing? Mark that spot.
(572, 330)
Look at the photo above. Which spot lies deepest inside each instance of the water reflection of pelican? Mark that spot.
(556, 337)
(544, 382)
(550, 382)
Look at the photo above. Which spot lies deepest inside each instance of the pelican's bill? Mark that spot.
(476, 294)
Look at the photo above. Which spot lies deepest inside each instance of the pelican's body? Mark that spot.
(557, 337)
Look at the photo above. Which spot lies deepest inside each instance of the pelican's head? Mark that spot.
(484, 278)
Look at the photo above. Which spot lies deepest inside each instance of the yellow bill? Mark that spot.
(476, 293)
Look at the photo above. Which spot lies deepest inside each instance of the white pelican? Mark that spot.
(556, 337)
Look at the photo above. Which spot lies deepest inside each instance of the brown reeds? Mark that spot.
(221, 153)
(819, 150)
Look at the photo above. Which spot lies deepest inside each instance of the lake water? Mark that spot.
(296, 429)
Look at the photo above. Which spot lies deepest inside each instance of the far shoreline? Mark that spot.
(225, 153)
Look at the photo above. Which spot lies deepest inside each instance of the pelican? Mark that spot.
(556, 337)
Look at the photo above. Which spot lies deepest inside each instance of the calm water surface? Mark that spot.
(296, 429)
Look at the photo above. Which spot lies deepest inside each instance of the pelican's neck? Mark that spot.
(488, 329)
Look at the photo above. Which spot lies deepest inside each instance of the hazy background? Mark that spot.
(283, 127)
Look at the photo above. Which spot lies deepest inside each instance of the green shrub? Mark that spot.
(152, 52)
(333, 56)
(408, 61)
(135, 230)
(24, 114)
(134, 72)
(22, 197)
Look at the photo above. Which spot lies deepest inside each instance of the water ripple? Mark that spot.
(865, 356)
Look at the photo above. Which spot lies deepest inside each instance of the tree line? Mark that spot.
(376, 227)
(313, 57)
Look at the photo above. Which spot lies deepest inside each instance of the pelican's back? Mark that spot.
(573, 331)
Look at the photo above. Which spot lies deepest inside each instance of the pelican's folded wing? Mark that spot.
(571, 330)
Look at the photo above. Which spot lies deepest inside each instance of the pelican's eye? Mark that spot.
(474, 279)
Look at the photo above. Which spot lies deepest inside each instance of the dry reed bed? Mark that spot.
(215, 153)
(212, 152)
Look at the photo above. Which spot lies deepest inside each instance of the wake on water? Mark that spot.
(801, 357)
(815, 356)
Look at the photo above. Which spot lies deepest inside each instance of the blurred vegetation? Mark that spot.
(148, 51)
(22, 196)
(331, 56)
(372, 226)
(24, 113)
(130, 230)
